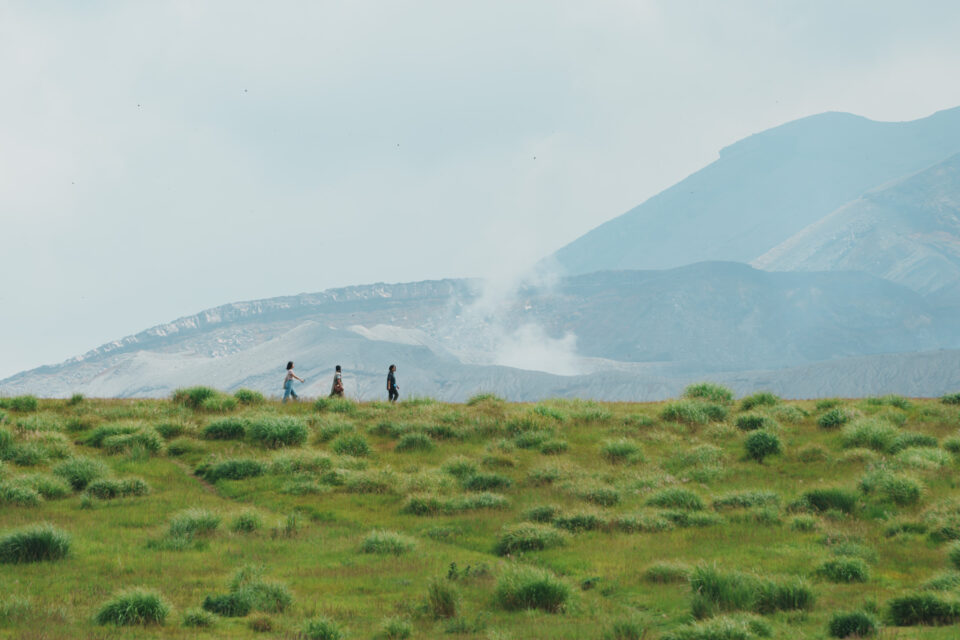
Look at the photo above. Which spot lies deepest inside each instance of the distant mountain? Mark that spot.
(638, 335)
(764, 190)
(907, 232)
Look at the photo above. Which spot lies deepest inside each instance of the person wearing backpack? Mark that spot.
(337, 389)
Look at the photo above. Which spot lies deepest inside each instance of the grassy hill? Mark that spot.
(704, 517)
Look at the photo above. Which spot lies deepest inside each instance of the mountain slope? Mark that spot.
(908, 233)
(763, 190)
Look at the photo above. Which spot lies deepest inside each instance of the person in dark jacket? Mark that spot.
(337, 390)
(393, 391)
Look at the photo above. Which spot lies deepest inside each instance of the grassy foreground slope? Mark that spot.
(703, 517)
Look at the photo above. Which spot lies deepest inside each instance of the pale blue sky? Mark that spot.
(160, 158)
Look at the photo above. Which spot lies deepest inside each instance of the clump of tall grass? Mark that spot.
(641, 523)
(578, 521)
(198, 619)
(233, 469)
(857, 624)
(890, 400)
(351, 444)
(620, 451)
(546, 411)
(542, 513)
(759, 399)
(667, 573)
(900, 489)
(844, 570)
(219, 403)
(871, 433)
(951, 398)
(531, 439)
(834, 418)
(525, 587)
(322, 628)
(710, 392)
(746, 500)
(80, 471)
(394, 629)
(27, 454)
(383, 542)
(274, 432)
(193, 522)
(265, 596)
(788, 413)
(827, 499)
(443, 599)
(225, 429)
(229, 605)
(335, 405)
(485, 399)
(924, 458)
(48, 486)
(193, 397)
(598, 494)
(553, 447)
(19, 495)
(97, 437)
(136, 606)
(107, 489)
(755, 421)
(692, 518)
(145, 439)
(21, 404)
(35, 543)
(735, 627)
(246, 522)
(328, 431)
(430, 504)
(414, 442)
(953, 554)
(248, 397)
(527, 536)
(482, 481)
(947, 581)
(459, 467)
(693, 412)
(923, 608)
(760, 444)
(715, 592)
(676, 498)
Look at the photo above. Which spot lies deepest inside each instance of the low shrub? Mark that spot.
(857, 624)
(193, 522)
(676, 498)
(951, 398)
(443, 599)
(80, 471)
(352, 444)
(709, 391)
(107, 489)
(225, 429)
(667, 573)
(382, 542)
(198, 619)
(193, 397)
(414, 442)
(527, 536)
(249, 397)
(35, 543)
(620, 451)
(760, 444)
(234, 469)
(759, 399)
(136, 606)
(923, 608)
(274, 432)
(21, 404)
(844, 570)
(526, 587)
(834, 418)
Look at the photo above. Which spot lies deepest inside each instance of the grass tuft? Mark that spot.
(136, 606)
(35, 543)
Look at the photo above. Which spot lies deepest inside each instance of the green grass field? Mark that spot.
(210, 516)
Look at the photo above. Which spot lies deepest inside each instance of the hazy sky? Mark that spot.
(160, 158)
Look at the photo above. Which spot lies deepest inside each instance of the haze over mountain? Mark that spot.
(852, 226)
(763, 190)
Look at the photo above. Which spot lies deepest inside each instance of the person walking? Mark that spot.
(393, 391)
(337, 389)
(288, 383)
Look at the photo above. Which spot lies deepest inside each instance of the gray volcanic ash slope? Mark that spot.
(907, 232)
(763, 190)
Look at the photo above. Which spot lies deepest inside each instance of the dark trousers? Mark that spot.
(394, 394)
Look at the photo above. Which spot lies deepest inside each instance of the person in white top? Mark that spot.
(288, 382)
